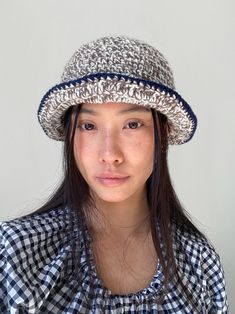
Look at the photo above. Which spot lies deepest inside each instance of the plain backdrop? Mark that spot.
(197, 37)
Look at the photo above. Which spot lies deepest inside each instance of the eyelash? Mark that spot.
(134, 121)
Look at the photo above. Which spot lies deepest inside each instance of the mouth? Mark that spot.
(112, 181)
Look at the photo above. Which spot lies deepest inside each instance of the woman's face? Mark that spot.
(114, 148)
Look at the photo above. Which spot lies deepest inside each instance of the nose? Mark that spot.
(110, 150)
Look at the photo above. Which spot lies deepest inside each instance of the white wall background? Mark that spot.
(197, 37)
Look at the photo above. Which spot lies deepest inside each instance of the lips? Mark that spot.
(111, 176)
(112, 179)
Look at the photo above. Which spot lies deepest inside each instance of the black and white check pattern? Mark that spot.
(32, 259)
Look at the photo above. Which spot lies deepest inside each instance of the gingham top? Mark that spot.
(32, 258)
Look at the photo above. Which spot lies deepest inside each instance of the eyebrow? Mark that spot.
(133, 109)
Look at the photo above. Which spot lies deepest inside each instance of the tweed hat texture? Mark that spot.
(118, 69)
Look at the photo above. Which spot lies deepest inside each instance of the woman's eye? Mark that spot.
(86, 126)
(134, 125)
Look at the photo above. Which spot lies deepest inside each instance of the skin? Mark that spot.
(108, 140)
(104, 141)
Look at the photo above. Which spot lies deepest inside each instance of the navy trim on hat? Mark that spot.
(156, 85)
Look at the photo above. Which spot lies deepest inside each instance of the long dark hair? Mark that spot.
(164, 205)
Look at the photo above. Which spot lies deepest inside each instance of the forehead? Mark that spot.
(118, 108)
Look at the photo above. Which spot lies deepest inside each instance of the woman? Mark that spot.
(114, 237)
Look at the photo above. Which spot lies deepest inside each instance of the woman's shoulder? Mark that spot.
(188, 235)
(194, 244)
(33, 253)
(33, 231)
(200, 265)
(34, 222)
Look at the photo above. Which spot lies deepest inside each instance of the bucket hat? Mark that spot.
(118, 69)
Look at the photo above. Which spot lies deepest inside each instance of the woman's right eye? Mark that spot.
(86, 126)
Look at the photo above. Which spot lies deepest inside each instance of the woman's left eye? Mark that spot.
(134, 125)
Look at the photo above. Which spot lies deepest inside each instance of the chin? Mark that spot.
(111, 196)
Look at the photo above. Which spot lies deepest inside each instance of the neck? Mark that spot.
(121, 219)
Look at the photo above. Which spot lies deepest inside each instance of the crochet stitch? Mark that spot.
(118, 69)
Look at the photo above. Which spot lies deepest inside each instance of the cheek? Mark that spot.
(141, 151)
(143, 148)
(83, 153)
(148, 153)
(80, 151)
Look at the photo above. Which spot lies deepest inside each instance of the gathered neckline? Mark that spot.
(153, 288)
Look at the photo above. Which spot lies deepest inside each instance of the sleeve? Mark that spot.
(3, 287)
(215, 281)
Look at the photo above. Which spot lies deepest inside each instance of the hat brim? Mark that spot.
(112, 87)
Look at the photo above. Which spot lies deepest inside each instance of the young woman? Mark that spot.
(114, 237)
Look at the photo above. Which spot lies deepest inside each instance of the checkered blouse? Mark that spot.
(32, 258)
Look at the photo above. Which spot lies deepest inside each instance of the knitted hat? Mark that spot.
(118, 69)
